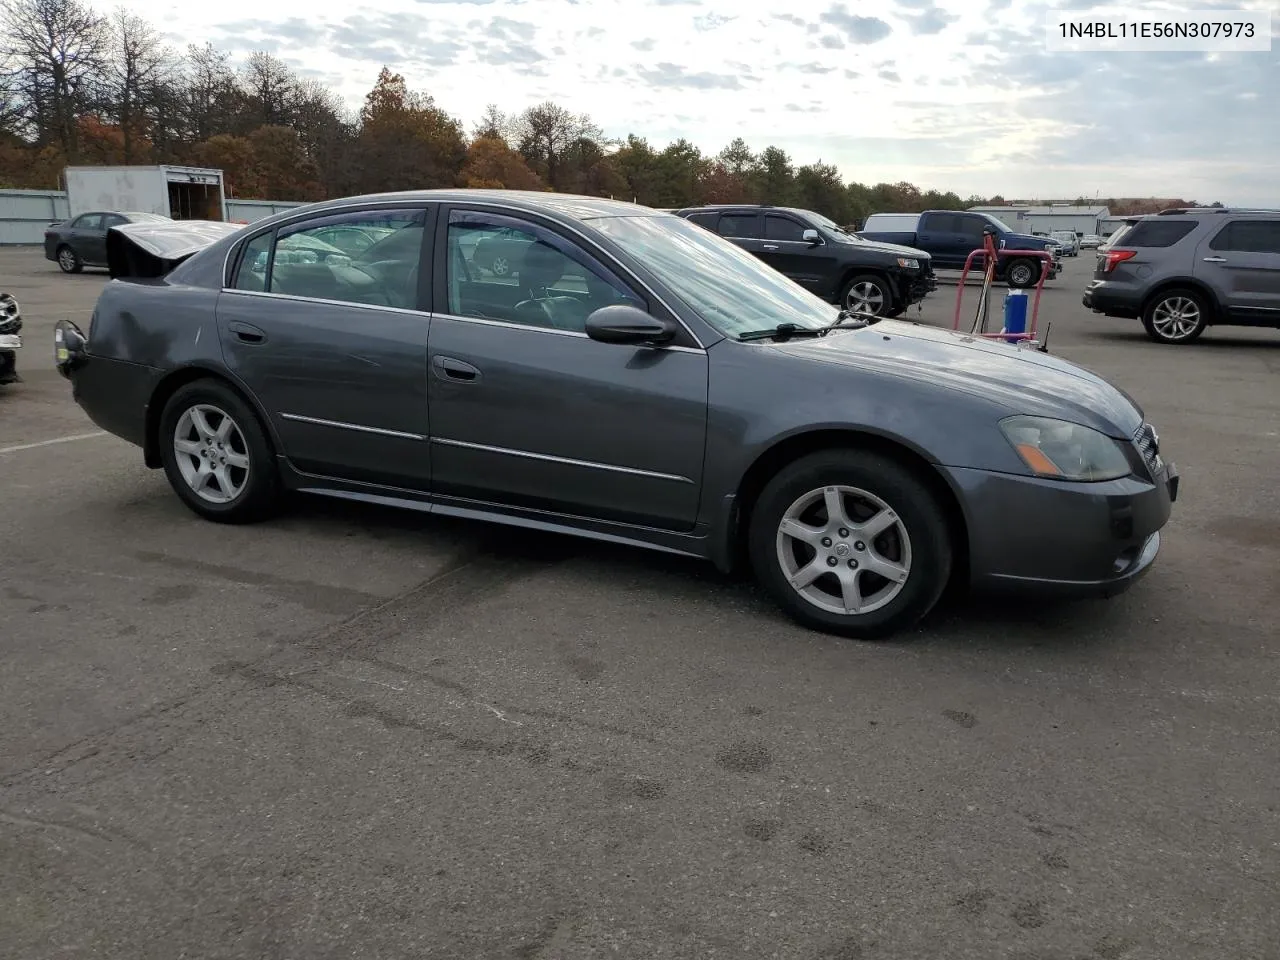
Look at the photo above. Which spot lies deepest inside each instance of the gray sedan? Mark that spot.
(642, 381)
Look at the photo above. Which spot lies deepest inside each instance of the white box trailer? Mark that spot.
(180, 193)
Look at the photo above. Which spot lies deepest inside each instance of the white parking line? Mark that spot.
(49, 443)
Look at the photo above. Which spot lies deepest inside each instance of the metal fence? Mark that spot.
(24, 214)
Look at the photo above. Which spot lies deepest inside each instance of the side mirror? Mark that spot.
(68, 347)
(811, 237)
(625, 324)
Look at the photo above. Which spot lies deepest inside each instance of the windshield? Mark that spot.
(722, 283)
(839, 232)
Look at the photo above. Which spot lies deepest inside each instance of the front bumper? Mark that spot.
(1066, 540)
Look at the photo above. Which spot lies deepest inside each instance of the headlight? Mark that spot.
(1061, 450)
(907, 263)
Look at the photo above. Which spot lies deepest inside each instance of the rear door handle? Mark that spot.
(771, 246)
(1215, 259)
(247, 332)
(447, 368)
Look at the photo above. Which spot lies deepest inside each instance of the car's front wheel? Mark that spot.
(1176, 316)
(68, 260)
(851, 542)
(217, 455)
(1023, 273)
(867, 294)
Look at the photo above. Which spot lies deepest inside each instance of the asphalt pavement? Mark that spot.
(358, 733)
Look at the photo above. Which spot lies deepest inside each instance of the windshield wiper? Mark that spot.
(863, 320)
(783, 331)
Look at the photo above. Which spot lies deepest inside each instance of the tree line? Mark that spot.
(77, 87)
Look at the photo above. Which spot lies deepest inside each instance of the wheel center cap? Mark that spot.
(842, 549)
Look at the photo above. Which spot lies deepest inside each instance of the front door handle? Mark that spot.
(771, 246)
(247, 332)
(458, 371)
(1215, 259)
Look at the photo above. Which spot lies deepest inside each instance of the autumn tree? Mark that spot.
(491, 163)
(406, 141)
(238, 161)
(211, 96)
(284, 170)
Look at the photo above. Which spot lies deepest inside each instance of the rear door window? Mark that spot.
(744, 226)
(1158, 233)
(707, 220)
(1249, 236)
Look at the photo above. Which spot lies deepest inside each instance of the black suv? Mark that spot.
(1183, 270)
(881, 279)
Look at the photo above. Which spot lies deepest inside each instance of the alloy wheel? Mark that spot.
(501, 267)
(865, 297)
(1176, 318)
(211, 453)
(66, 259)
(844, 550)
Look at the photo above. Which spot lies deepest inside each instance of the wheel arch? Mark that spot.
(170, 384)
(1184, 283)
(791, 448)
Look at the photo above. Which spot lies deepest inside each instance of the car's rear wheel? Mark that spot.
(868, 294)
(1176, 316)
(501, 266)
(1023, 273)
(216, 454)
(851, 542)
(68, 260)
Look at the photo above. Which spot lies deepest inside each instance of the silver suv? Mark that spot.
(1182, 270)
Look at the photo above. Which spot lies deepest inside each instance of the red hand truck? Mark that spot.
(979, 325)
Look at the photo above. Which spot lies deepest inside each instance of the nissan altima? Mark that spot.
(634, 378)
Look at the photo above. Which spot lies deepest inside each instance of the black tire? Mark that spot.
(1023, 273)
(897, 487)
(896, 310)
(1168, 300)
(68, 260)
(870, 288)
(260, 495)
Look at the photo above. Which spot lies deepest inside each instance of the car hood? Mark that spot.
(152, 249)
(892, 249)
(1022, 241)
(1022, 380)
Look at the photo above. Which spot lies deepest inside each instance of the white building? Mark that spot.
(1058, 216)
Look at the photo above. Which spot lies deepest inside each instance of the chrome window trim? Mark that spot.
(331, 303)
(568, 461)
(359, 428)
(509, 325)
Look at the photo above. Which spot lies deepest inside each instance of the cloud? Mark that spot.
(711, 21)
(931, 19)
(644, 45)
(832, 42)
(815, 68)
(790, 18)
(861, 30)
(891, 75)
(674, 76)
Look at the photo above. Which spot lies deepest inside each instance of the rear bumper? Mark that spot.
(114, 394)
(1102, 297)
(1066, 540)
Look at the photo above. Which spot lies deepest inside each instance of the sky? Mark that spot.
(956, 95)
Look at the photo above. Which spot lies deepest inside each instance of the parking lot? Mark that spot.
(353, 732)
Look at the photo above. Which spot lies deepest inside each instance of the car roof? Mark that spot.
(534, 201)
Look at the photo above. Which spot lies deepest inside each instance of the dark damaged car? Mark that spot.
(634, 378)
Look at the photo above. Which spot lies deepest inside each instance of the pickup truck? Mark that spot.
(949, 236)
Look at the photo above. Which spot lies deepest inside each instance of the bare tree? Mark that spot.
(211, 95)
(494, 124)
(546, 132)
(139, 74)
(58, 50)
(271, 86)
